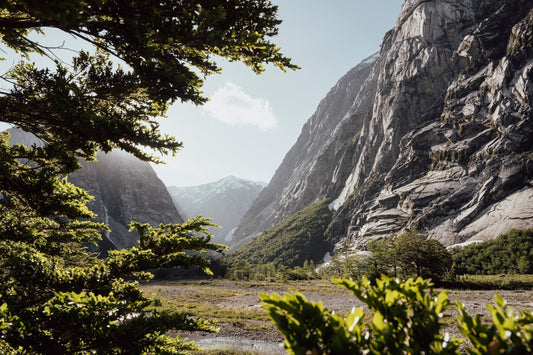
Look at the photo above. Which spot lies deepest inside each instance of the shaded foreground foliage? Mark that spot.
(407, 319)
(55, 298)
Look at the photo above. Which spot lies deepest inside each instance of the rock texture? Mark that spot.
(307, 173)
(225, 201)
(125, 189)
(436, 134)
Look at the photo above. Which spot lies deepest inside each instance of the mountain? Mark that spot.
(297, 239)
(124, 188)
(225, 201)
(434, 133)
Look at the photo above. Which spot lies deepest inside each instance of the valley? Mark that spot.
(234, 307)
(415, 170)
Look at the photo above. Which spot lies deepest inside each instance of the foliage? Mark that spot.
(510, 253)
(298, 238)
(407, 319)
(67, 309)
(420, 256)
(511, 332)
(406, 255)
(242, 270)
(491, 282)
(55, 298)
(349, 266)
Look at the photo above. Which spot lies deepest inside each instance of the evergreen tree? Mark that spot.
(55, 298)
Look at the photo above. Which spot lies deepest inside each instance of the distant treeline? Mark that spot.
(406, 255)
(510, 253)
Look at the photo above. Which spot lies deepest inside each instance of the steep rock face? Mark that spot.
(447, 144)
(453, 136)
(125, 189)
(225, 201)
(305, 176)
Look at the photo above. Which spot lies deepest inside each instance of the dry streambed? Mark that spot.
(235, 308)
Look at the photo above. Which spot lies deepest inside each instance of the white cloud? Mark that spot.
(230, 104)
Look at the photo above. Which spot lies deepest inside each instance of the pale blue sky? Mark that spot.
(326, 38)
(253, 120)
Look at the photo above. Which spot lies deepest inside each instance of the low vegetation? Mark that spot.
(292, 242)
(408, 254)
(503, 263)
(407, 319)
(510, 253)
(243, 270)
(491, 282)
(234, 304)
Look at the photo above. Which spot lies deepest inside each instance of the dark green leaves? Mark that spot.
(55, 297)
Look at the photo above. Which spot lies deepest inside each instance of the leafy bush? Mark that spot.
(510, 253)
(353, 266)
(407, 319)
(511, 332)
(418, 255)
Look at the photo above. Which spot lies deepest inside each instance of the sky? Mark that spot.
(251, 121)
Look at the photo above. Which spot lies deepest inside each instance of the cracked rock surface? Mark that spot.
(435, 134)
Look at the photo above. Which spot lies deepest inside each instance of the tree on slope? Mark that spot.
(54, 297)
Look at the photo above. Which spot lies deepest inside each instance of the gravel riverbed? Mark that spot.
(255, 333)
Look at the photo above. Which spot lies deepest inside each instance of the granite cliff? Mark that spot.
(436, 133)
(125, 189)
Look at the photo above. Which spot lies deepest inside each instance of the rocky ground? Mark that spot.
(242, 322)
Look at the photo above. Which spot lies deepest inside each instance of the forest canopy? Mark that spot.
(510, 253)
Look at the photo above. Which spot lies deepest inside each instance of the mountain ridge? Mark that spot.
(225, 201)
(435, 135)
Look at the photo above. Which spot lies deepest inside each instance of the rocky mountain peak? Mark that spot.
(436, 134)
(225, 201)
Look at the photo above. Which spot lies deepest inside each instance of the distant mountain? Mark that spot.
(435, 133)
(225, 201)
(125, 189)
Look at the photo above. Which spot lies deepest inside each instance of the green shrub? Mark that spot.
(511, 332)
(409, 254)
(510, 253)
(407, 319)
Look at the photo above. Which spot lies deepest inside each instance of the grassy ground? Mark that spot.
(224, 300)
(234, 306)
(493, 282)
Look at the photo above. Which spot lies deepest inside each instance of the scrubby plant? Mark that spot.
(511, 332)
(407, 319)
(409, 254)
